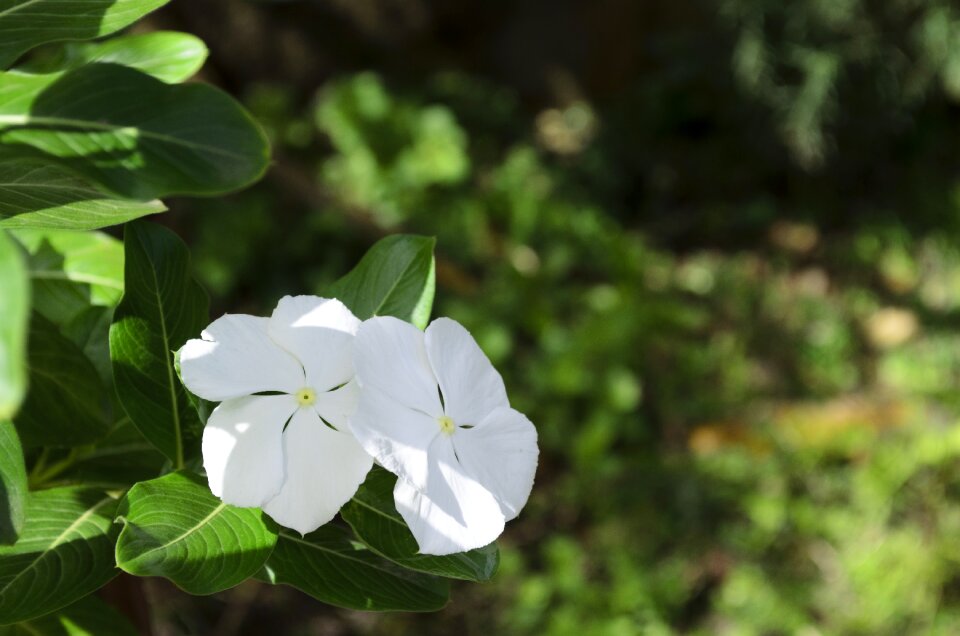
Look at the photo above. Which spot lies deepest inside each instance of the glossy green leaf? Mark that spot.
(87, 617)
(72, 271)
(329, 566)
(14, 315)
(374, 518)
(13, 484)
(161, 309)
(64, 553)
(67, 404)
(167, 55)
(395, 278)
(25, 24)
(38, 195)
(132, 133)
(175, 528)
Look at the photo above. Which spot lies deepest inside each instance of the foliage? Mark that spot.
(717, 260)
(98, 467)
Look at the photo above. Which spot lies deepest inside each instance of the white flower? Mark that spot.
(434, 411)
(280, 438)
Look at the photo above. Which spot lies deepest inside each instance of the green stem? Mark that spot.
(41, 474)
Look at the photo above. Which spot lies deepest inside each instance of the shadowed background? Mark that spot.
(712, 246)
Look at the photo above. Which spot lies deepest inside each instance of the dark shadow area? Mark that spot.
(25, 24)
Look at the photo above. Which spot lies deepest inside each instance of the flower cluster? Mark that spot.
(311, 396)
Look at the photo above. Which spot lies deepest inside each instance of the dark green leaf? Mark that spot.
(161, 309)
(25, 24)
(118, 461)
(72, 270)
(132, 133)
(395, 278)
(64, 553)
(87, 617)
(173, 527)
(67, 404)
(373, 516)
(329, 566)
(38, 195)
(14, 313)
(13, 484)
(90, 330)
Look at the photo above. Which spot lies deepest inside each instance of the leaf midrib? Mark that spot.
(213, 513)
(56, 542)
(115, 128)
(396, 282)
(174, 406)
(414, 557)
(314, 546)
(18, 7)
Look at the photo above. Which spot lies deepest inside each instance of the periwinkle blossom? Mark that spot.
(434, 411)
(280, 438)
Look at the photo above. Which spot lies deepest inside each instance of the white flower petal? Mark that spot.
(471, 387)
(398, 437)
(236, 357)
(319, 332)
(501, 453)
(324, 468)
(242, 448)
(390, 356)
(338, 406)
(454, 513)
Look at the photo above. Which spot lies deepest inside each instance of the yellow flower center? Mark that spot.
(306, 396)
(447, 427)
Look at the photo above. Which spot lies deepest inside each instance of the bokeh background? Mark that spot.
(714, 248)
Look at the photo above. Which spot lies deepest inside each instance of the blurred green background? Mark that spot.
(714, 248)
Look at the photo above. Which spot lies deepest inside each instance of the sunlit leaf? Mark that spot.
(167, 55)
(13, 484)
(38, 195)
(71, 271)
(64, 553)
(130, 132)
(395, 277)
(14, 313)
(25, 24)
(175, 528)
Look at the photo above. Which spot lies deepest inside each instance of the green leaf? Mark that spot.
(161, 309)
(14, 313)
(87, 617)
(38, 195)
(90, 330)
(132, 133)
(173, 527)
(67, 404)
(118, 461)
(13, 484)
(72, 270)
(329, 566)
(167, 55)
(374, 518)
(395, 278)
(64, 553)
(25, 24)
